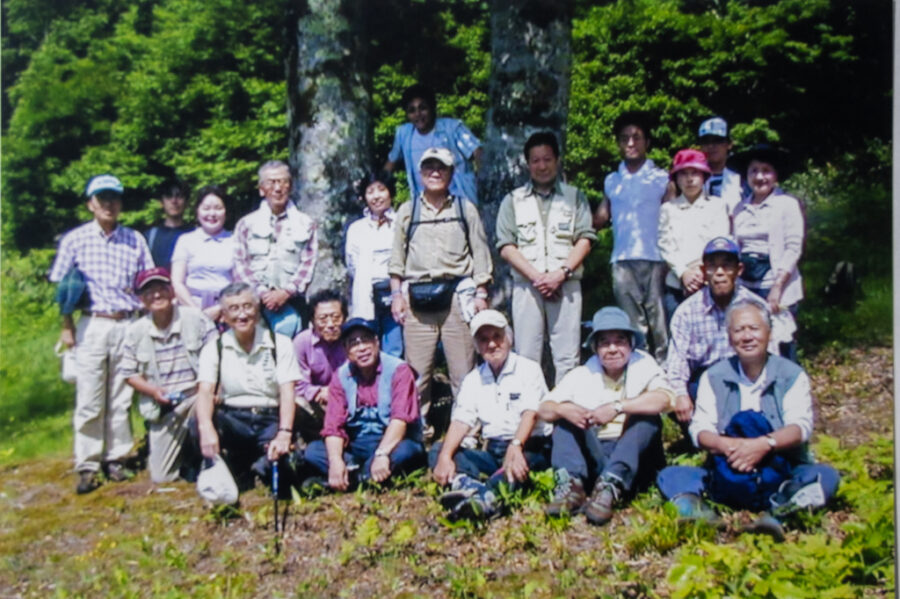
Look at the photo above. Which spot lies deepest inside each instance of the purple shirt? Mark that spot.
(404, 399)
(318, 360)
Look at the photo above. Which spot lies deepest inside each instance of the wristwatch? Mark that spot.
(771, 441)
(618, 406)
(568, 272)
(380, 453)
(516, 441)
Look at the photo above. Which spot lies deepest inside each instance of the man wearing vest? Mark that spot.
(109, 256)
(251, 372)
(275, 249)
(161, 356)
(502, 394)
(372, 424)
(440, 268)
(754, 416)
(715, 144)
(544, 232)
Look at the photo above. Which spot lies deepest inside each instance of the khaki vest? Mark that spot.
(275, 262)
(545, 247)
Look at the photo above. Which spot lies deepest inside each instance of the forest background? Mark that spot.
(157, 89)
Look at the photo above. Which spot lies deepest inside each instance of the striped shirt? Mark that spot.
(109, 264)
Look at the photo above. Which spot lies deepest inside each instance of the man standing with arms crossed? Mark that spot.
(109, 256)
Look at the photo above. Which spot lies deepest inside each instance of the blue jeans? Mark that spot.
(391, 335)
(359, 453)
(634, 458)
(475, 462)
(678, 480)
(671, 300)
(285, 321)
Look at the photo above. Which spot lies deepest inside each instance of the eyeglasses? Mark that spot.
(358, 340)
(711, 269)
(273, 182)
(326, 318)
(236, 309)
(440, 167)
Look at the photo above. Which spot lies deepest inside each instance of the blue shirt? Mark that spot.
(634, 200)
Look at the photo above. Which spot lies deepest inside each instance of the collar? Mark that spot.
(261, 340)
(509, 367)
(529, 188)
(220, 236)
(682, 202)
(370, 218)
(98, 230)
(735, 374)
(267, 211)
(761, 382)
(623, 170)
(173, 328)
(427, 206)
(317, 340)
(709, 304)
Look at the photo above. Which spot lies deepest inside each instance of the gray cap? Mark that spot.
(613, 318)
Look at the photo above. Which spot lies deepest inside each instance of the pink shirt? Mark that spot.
(318, 360)
(404, 399)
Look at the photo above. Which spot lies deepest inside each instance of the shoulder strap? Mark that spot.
(414, 221)
(219, 367)
(151, 237)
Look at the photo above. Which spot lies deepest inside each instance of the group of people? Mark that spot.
(704, 272)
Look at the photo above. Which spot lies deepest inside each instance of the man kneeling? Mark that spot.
(754, 416)
(372, 424)
(503, 394)
(608, 428)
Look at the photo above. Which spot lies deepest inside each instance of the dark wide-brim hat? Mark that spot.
(780, 159)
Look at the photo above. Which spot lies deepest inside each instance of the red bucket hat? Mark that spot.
(689, 159)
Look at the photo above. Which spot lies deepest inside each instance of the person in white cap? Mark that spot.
(503, 394)
(440, 268)
(715, 144)
(109, 256)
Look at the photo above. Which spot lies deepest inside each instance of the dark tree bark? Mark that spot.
(531, 60)
(330, 123)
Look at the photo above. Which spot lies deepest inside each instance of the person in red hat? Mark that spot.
(686, 225)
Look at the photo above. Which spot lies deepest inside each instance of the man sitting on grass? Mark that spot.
(503, 394)
(754, 416)
(608, 430)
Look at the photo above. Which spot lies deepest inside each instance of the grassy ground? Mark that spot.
(136, 539)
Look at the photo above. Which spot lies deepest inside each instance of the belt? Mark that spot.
(254, 411)
(120, 315)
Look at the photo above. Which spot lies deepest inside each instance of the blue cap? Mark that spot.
(613, 318)
(103, 183)
(715, 127)
(359, 323)
(722, 245)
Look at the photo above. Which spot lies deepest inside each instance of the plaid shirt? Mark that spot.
(109, 263)
(242, 268)
(698, 336)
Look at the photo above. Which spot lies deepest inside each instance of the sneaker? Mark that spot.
(117, 472)
(691, 507)
(87, 482)
(462, 487)
(599, 508)
(568, 495)
(481, 505)
(793, 495)
(766, 525)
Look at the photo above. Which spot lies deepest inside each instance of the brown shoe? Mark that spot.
(599, 508)
(568, 495)
(87, 482)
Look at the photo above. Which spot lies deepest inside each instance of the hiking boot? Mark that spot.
(87, 482)
(117, 472)
(481, 505)
(599, 508)
(462, 487)
(793, 495)
(766, 524)
(691, 507)
(568, 495)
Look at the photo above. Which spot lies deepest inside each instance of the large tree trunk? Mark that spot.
(529, 90)
(330, 124)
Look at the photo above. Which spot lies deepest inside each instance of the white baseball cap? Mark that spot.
(488, 317)
(442, 155)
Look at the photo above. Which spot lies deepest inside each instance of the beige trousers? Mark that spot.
(166, 437)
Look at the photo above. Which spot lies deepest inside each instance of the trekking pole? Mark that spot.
(275, 498)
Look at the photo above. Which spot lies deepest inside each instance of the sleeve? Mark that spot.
(668, 242)
(566, 389)
(797, 404)
(397, 265)
(145, 258)
(465, 140)
(351, 249)
(180, 253)
(242, 271)
(404, 395)
(210, 332)
(706, 417)
(335, 410)
(505, 229)
(584, 224)
(658, 382)
(397, 149)
(304, 387)
(208, 363)
(677, 367)
(128, 365)
(65, 260)
(465, 408)
(481, 253)
(304, 274)
(792, 221)
(287, 370)
(534, 391)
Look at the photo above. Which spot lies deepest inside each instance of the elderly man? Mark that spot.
(275, 249)
(372, 424)
(544, 232)
(608, 428)
(634, 194)
(441, 253)
(319, 353)
(503, 395)
(109, 256)
(715, 144)
(161, 361)
(698, 336)
(252, 371)
(754, 416)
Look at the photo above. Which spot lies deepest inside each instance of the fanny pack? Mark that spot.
(381, 297)
(432, 296)
(755, 266)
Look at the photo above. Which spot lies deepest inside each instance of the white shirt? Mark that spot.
(634, 200)
(797, 404)
(367, 254)
(250, 380)
(499, 403)
(731, 189)
(209, 263)
(686, 228)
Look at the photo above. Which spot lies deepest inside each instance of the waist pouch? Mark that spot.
(755, 266)
(381, 297)
(432, 296)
